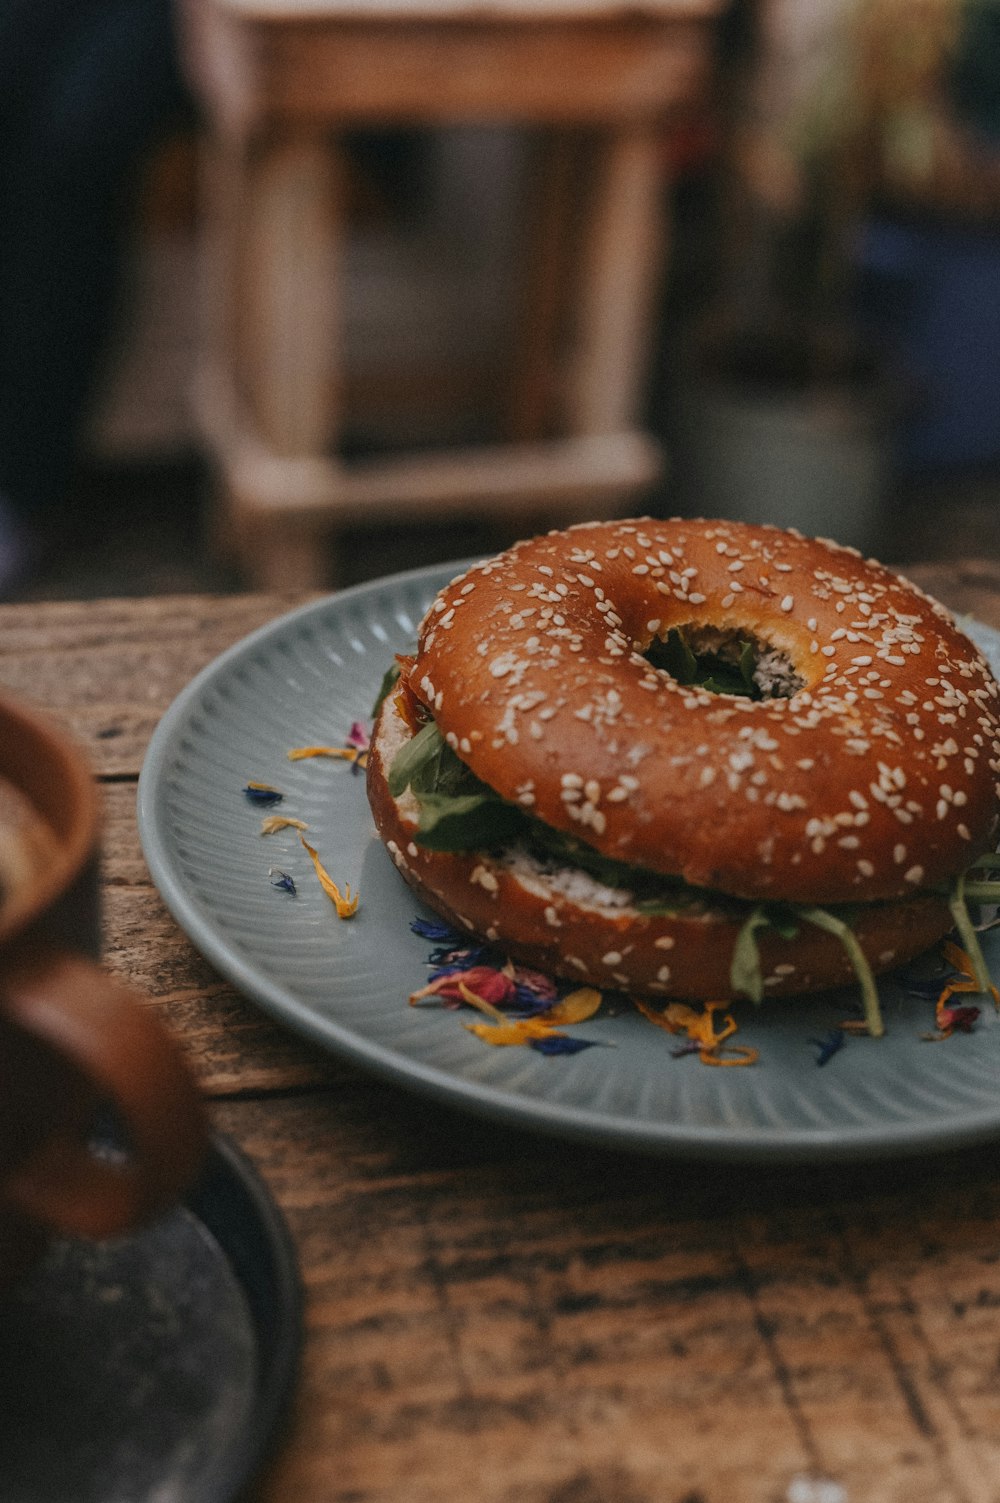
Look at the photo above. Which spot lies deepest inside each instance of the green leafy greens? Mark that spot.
(746, 977)
(962, 894)
(459, 812)
(389, 681)
(705, 670)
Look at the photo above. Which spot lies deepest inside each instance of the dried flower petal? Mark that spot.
(275, 822)
(351, 754)
(949, 1019)
(282, 880)
(829, 1045)
(263, 793)
(521, 1032)
(355, 750)
(964, 964)
(435, 929)
(561, 1043)
(574, 1008)
(488, 984)
(345, 904)
(699, 1027)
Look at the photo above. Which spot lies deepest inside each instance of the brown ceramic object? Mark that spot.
(73, 1041)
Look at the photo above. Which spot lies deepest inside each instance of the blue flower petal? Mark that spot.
(827, 1047)
(261, 795)
(435, 929)
(560, 1044)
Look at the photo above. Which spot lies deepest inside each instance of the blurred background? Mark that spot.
(820, 340)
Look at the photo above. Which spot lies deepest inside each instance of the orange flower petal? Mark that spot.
(521, 1032)
(575, 1007)
(345, 904)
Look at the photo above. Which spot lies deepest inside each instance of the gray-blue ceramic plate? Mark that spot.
(301, 681)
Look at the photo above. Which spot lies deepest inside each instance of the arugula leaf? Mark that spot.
(389, 681)
(986, 889)
(471, 822)
(707, 670)
(823, 919)
(957, 902)
(745, 974)
(783, 918)
(414, 757)
(673, 654)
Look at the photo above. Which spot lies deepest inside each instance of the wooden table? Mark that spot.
(497, 1318)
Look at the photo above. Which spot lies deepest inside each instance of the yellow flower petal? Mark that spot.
(275, 822)
(963, 962)
(521, 1032)
(699, 1027)
(345, 904)
(575, 1007)
(358, 755)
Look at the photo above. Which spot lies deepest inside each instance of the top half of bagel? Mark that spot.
(865, 769)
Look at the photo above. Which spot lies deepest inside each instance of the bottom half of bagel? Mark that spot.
(564, 922)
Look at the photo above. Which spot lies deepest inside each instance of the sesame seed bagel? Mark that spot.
(567, 924)
(866, 773)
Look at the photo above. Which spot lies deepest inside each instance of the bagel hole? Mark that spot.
(725, 661)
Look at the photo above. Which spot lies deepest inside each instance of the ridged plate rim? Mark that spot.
(706, 1124)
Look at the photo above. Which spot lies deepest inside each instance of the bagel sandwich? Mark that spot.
(693, 759)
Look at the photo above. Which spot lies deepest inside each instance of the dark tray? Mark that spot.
(158, 1366)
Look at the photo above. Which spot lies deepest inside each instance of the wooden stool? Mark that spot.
(279, 80)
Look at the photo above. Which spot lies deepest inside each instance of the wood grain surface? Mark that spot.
(492, 1317)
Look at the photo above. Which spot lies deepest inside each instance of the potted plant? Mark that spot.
(787, 407)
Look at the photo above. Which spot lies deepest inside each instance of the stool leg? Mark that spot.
(275, 271)
(551, 201)
(292, 294)
(621, 260)
(278, 556)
